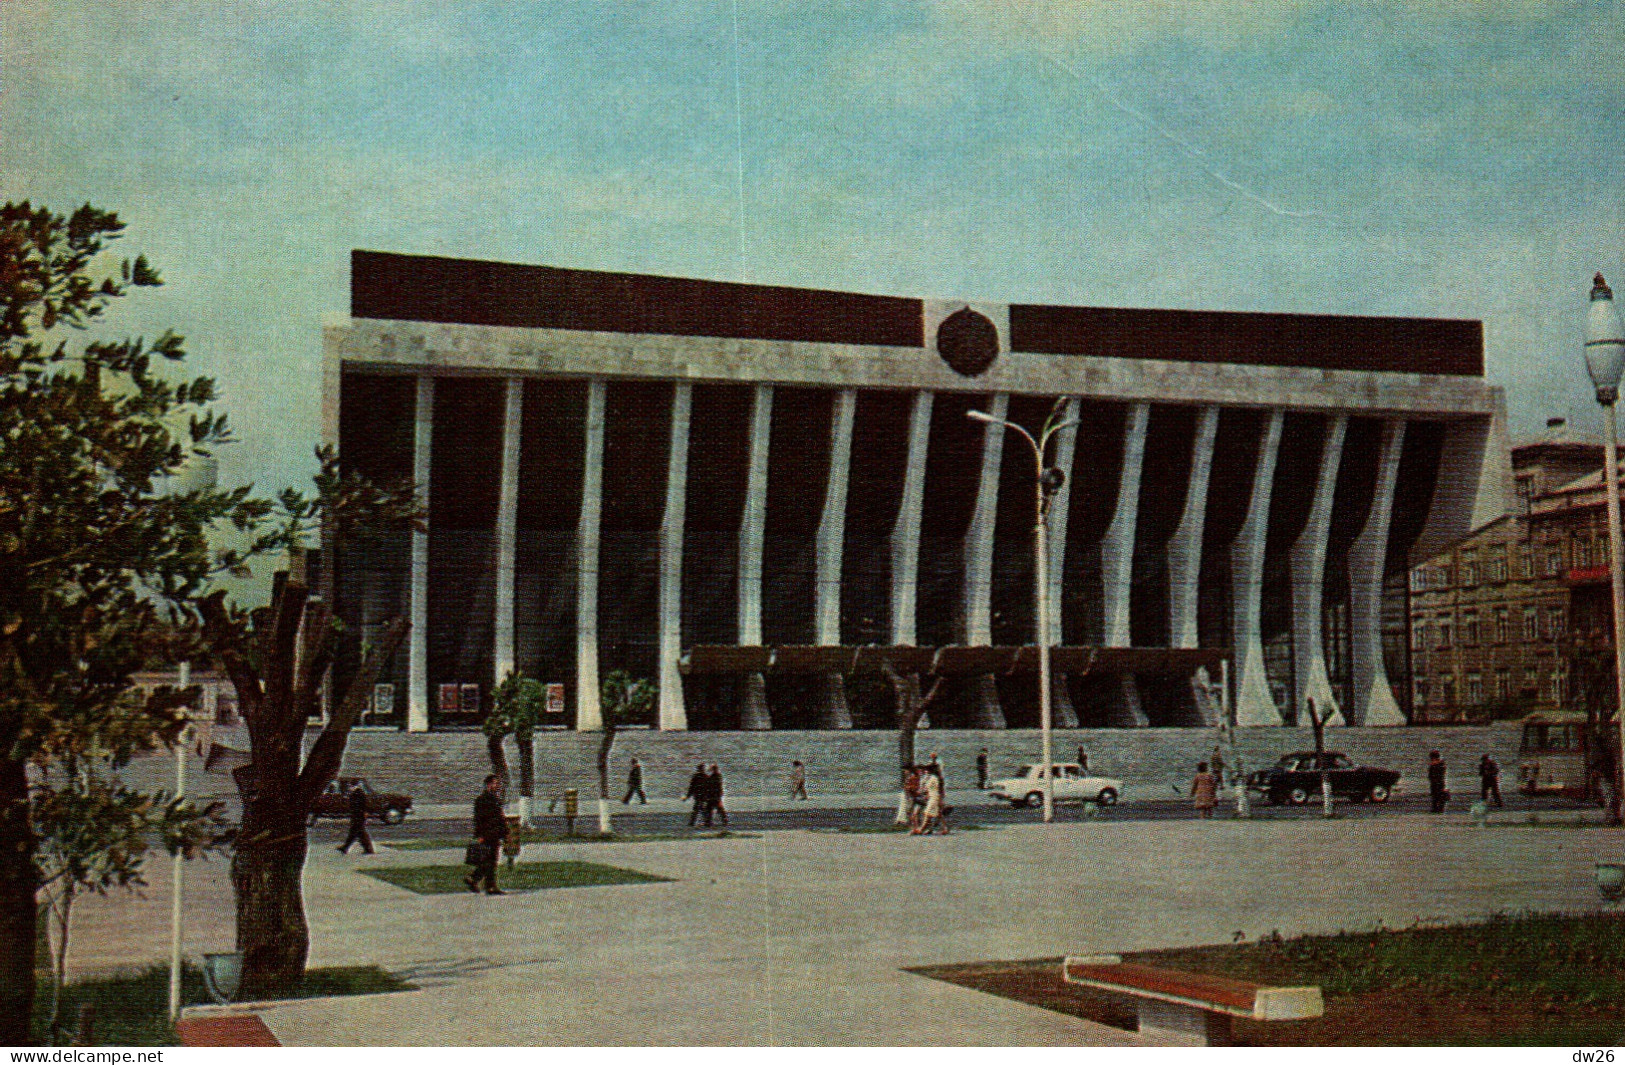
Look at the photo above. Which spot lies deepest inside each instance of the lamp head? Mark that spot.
(1052, 480)
(1605, 342)
(980, 416)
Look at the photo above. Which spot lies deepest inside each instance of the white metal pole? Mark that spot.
(1041, 574)
(1616, 577)
(179, 860)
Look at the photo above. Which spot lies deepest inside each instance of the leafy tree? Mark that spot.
(97, 561)
(624, 700)
(516, 710)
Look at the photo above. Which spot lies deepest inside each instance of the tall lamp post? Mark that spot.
(1605, 360)
(1048, 482)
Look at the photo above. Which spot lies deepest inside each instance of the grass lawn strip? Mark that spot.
(1510, 981)
(524, 876)
(441, 843)
(134, 1010)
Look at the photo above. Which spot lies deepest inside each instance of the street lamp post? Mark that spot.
(1047, 483)
(1605, 360)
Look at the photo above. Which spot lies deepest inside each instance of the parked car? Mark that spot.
(386, 806)
(1295, 779)
(1026, 788)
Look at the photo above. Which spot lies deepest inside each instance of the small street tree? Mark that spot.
(625, 700)
(97, 560)
(911, 709)
(516, 710)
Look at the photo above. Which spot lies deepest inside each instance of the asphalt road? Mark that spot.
(970, 810)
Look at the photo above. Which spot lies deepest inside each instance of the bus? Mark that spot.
(1563, 754)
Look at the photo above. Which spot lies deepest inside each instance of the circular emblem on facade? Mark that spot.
(968, 342)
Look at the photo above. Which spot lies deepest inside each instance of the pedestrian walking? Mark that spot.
(914, 788)
(981, 769)
(1217, 764)
(490, 828)
(1436, 788)
(931, 817)
(699, 790)
(634, 784)
(1083, 759)
(714, 796)
(1204, 791)
(798, 780)
(358, 822)
(1489, 780)
(935, 766)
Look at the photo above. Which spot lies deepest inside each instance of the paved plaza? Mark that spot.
(802, 937)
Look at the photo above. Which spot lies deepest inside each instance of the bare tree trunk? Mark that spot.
(499, 758)
(527, 764)
(605, 824)
(267, 875)
(18, 915)
(911, 707)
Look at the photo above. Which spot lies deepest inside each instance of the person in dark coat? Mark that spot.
(1436, 789)
(1489, 780)
(634, 784)
(490, 828)
(699, 790)
(358, 822)
(714, 796)
(981, 769)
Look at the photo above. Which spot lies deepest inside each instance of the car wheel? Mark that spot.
(393, 816)
(1378, 793)
(1298, 796)
(1035, 798)
(1107, 797)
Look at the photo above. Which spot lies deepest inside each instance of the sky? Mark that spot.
(1460, 159)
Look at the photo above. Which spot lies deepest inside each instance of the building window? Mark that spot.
(1419, 580)
(1554, 561)
(1503, 627)
(1554, 622)
(1531, 625)
(1419, 636)
(1503, 685)
(1525, 563)
(1556, 685)
(1498, 563)
(1469, 569)
(1475, 689)
(1531, 680)
(1469, 629)
(1421, 691)
(1446, 633)
(1447, 689)
(1524, 486)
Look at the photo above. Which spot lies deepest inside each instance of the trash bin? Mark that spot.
(572, 807)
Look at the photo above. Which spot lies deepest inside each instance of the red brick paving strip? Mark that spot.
(233, 1030)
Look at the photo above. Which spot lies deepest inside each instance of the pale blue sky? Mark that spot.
(1461, 159)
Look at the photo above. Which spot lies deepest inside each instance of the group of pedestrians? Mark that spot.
(927, 791)
(1489, 782)
(705, 789)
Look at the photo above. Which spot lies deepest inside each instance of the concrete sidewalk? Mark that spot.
(664, 805)
(803, 938)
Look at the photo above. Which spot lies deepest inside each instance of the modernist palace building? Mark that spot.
(769, 500)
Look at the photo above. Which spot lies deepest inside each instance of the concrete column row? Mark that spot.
(1373, 699)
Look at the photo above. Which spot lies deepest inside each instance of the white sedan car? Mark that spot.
(1071, 783)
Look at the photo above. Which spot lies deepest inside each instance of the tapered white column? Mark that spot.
(985, 711)
(1117, 564)
(1308, 561)
(673, 716)
(905, 536)
(1373, 696)
(1255, 705)
(830, 544)
(1185, 546)
(1065, 715)
(589, 713)
(753, 710)
(502, 656)
(417, 647)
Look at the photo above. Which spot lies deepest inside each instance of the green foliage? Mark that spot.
(627, 700)
(517, 706)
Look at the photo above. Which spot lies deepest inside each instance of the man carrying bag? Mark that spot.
(490, 827)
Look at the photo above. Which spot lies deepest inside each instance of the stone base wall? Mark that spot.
(448, 767)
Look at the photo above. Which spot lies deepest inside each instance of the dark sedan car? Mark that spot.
(388, 807)
(1296, 779)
